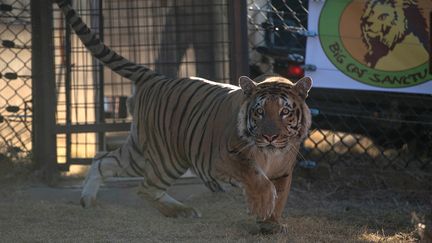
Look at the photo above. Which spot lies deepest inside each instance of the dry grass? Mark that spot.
(224, 220)
(330, 209)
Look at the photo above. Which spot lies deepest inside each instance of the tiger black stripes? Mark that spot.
(173, 97)
(198, 111)
(205, 160)
(210, 159)
(200, 164)
(187, 96)
(161, 160)
(161, 121)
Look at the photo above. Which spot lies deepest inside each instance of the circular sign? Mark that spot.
(384, 43)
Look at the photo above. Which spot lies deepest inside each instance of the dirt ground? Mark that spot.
(333, 211)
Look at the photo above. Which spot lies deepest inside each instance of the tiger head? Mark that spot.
(274, 113)
(385, 23)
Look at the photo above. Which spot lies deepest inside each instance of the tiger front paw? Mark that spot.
(261, 199)
(87, 201)
(179, 211)
(272, 227)
(170, 207)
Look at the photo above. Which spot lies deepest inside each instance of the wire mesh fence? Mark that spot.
(15, 79)
(176, 38)
(354, 127)
(191, 38)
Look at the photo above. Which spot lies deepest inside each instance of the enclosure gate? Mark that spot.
(177, 38)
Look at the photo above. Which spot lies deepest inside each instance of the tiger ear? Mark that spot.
(247, 85)
(302, 86)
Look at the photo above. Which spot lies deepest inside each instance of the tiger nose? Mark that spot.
(270, 138)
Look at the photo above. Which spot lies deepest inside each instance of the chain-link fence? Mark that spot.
(176, 38)
(15, 78)
(351, 127)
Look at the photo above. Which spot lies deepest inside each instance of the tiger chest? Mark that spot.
(276, 163)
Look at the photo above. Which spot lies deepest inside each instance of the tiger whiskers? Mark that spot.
(297, 151)
(247, 145)
(301, 155)
(239, 147)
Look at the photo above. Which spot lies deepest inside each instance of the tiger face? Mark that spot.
(275, 114)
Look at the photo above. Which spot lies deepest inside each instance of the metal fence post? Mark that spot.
(99, 77)
(237, 14)
(43, 89)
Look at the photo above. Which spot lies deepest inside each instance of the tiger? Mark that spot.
(247, 135)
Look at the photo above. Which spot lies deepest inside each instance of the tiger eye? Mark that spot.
(260, 111)
(284, 111)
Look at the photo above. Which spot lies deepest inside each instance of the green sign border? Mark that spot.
(331, 42)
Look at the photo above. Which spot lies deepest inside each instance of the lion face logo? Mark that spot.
(386, 24)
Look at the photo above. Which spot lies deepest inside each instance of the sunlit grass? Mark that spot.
(383, 237)
(77, 171)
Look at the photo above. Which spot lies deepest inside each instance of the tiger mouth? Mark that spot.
(272, 145)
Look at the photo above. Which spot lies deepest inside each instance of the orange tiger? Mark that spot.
(248, 135)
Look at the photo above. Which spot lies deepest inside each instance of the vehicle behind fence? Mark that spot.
(383, 128)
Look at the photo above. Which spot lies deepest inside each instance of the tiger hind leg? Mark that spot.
(166, 204)
(103, 165)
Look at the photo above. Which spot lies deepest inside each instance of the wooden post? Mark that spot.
(239, 57)
(43, 90)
